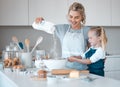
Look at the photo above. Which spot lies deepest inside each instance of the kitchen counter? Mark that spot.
(14, 79)
(113, 56)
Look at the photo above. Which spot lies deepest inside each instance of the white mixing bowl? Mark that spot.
(55, 63)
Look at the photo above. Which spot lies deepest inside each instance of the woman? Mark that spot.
(73, 36)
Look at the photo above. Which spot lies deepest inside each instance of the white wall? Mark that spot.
(22, 33)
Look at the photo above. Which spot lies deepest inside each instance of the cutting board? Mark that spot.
(66, 71)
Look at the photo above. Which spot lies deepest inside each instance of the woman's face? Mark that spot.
(74, 17)
(93, 39)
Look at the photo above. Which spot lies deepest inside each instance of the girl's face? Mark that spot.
(93, 39)
(74, 17)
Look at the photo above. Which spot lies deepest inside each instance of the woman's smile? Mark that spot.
(74, 18)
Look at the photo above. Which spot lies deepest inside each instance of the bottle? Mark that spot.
(45, 26)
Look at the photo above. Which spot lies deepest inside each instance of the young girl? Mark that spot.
(95, 55)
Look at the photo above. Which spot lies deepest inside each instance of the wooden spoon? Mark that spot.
(27, 43)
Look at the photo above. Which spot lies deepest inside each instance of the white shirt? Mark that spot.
(99, 54)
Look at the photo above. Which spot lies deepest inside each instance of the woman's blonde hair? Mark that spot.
(80, 8)
(100, 32)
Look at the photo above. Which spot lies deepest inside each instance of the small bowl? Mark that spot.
(55, 63)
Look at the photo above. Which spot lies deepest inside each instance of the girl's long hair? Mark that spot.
(100, 32)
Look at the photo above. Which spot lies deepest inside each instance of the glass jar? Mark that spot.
(10, 54)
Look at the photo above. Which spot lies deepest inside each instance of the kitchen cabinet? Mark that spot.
(113, 74)
(13, 12)
(23, 12)
(112, 63)
(112, 69)
(98, 12)
(115, 12)
(50, 10)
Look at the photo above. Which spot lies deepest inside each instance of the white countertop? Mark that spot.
(19, 80)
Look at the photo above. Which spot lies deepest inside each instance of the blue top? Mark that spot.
(61, 29)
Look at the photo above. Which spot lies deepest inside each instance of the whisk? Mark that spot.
(39, 40)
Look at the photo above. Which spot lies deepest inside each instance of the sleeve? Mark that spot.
(83, 55)
(85, 33)
(60, 30)
(99, 54)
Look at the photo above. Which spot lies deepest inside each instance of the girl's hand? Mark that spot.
(38, 20)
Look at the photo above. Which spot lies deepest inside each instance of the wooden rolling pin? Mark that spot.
(66, 71)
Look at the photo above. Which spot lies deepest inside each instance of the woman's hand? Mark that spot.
(74, 58)
(71, 59)
(38, 20)
(78, 57)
